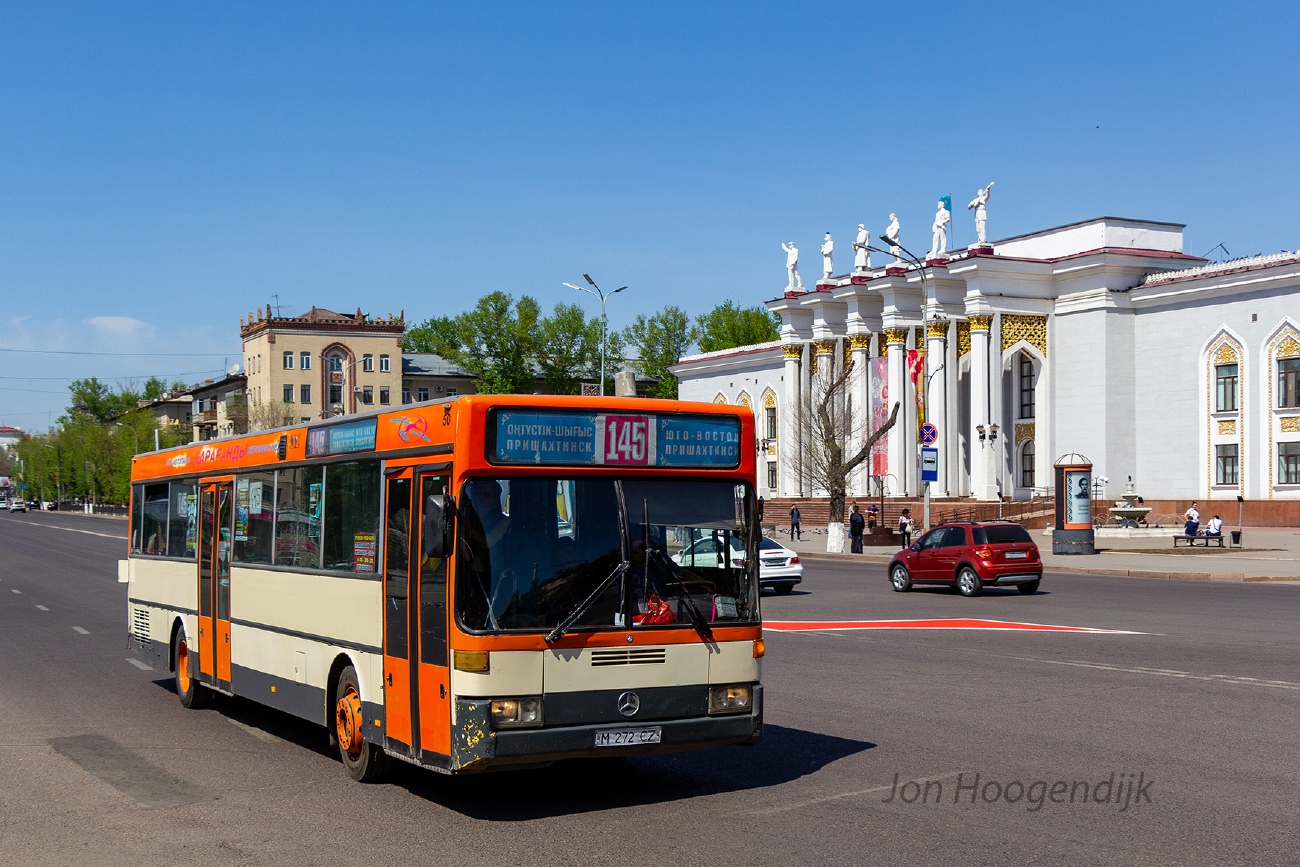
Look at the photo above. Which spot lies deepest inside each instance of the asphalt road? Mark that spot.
(1203, 705)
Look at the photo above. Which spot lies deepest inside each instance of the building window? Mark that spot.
(304, 394)
(1027, 465)
(1026, 386)
(368, 395)
(383, 364)
(384, 395)
(368, 363)
(1225, 388)
(1288, 382)
(769, 417)
(1288, 463)
(452, 392)
(406, 394)
(771, 474)
(305, 361)
(1225, 465)
(288, 360)
(335, 362)
(422, 395)
(288, 394)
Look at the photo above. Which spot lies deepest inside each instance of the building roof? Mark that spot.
(1217, 269)
(725, 353)
(321, 319)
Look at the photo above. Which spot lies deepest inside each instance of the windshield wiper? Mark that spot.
(693, 613)
(567, 623)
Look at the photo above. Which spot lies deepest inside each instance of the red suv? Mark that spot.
(969, 557)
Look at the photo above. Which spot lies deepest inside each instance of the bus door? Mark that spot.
(214, 583)
(416, 703)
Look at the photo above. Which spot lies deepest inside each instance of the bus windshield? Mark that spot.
(620, 553)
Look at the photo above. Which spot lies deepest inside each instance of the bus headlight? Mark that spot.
(516, 712)
(731, 699)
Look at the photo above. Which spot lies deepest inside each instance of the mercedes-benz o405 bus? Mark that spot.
(469, 584)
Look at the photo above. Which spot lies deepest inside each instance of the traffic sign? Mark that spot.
(929, 434)
(929, 465)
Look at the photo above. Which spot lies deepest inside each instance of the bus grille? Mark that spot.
(140, 626)
(629, 656)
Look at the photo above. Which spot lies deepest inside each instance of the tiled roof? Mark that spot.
(1232, 266)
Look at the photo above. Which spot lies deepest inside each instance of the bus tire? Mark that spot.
(192, 693)
(365, 762)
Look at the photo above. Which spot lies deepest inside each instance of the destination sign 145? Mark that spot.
(615, 439)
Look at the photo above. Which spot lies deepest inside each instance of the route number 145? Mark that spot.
(627, 439)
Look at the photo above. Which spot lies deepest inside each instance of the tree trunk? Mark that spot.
(835, 526)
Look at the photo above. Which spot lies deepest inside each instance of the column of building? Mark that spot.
(896, 341)
(860, 389)
(936, 396)
(790, 444)
(982, 465)
(822, 375)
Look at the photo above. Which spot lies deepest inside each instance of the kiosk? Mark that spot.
(1073, 533)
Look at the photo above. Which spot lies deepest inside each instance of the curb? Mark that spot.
(1223, 577)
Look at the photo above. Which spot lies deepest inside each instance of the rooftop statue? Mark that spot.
(939, 238)
(828, 248)
(980, 205)
(792, 265)
(892, 234)
(861, 255)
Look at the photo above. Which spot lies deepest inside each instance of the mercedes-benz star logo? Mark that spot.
(629, 703)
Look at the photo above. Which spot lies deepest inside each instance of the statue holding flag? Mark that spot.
(980, 206)
(939, 240)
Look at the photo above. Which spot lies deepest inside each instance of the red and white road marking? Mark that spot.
(957, 623)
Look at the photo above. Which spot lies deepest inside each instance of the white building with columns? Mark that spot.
(1100, 337)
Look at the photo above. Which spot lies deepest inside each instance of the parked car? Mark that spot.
(779, 568)
(17, 506)
(969, 557)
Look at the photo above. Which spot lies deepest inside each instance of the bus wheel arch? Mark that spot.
(341, 661)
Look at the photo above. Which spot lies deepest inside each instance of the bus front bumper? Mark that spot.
(478, 749)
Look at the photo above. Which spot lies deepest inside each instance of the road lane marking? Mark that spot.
(143, 666)
(15, 590)
(255, 732)
(810, 802)
(42, 607)
(1167, 672)
(80, 630)
(71, 529)
(145, 783)
(956, 623)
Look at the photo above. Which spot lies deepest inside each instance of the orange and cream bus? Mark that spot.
(481, 582)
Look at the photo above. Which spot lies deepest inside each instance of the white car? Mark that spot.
(779, 568)
(18, 505)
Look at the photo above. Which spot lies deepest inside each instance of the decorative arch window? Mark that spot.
(1027, 465)
(1026, 385)
(1225, 387)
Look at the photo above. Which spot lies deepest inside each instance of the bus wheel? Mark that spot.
(366, 763)
(191, 692)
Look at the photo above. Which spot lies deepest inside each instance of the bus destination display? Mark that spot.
(615, 439)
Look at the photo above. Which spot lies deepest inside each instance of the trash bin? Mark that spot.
(1236, 538)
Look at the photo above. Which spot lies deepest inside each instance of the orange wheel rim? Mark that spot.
(183, 666)
(347, 720)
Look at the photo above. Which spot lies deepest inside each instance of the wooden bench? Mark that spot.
(1192, 540)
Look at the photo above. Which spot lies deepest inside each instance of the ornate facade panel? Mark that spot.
(1024, 432)
(745, 400)
(720, 398)
(769, 399)
(1226, 354)
(895, 335)
(963, 337)
(1290, 423)
(1288, 348)
(1031, 329)
(1228, 426)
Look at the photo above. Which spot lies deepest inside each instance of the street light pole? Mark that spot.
(595, 290)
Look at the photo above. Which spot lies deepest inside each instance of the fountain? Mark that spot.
(1127, 512)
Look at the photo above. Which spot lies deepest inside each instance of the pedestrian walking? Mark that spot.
(905, 528)
(857, 524)
(1193, 518)
(794, 523)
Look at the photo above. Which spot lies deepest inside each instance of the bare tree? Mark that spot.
(271, 414)
(830, 427)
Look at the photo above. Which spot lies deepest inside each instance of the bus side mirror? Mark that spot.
(439, 522)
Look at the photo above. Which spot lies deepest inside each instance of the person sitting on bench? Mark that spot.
(1214, 527)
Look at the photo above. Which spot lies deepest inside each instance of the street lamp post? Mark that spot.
(595, 290)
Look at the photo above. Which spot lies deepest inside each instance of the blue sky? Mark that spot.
(165, 168)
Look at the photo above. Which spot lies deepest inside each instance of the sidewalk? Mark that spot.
(1272, 554)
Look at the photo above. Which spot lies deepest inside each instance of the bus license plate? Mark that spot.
(628, 737)
(1016, 555)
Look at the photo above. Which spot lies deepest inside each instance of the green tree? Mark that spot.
(496, 342)
(660, 341)
(153, 388)
(568, 348)
(727, 326)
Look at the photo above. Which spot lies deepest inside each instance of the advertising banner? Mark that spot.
(879, 385)
(1078, 497)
